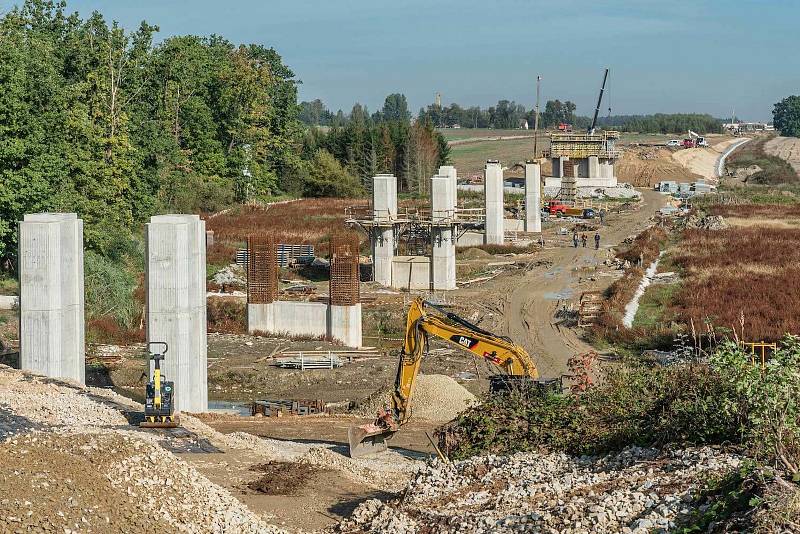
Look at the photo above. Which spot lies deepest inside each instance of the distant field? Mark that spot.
(465, 133)
(470, 158)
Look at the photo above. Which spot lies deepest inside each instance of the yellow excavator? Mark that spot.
(426, 319)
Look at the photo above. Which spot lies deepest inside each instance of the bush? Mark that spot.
(109, 291)
(634, 405)
(227, 315)
(327, 178)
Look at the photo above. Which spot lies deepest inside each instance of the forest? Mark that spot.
(117, 126)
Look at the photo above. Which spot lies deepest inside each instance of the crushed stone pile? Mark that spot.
(436, 398)
(474, 253)
(28, 402)
(231, 275)
(707, 222)
(96, 482)
(635, 491)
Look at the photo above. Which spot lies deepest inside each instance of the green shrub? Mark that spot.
(327, 178)
(109, 291)
(635, 405)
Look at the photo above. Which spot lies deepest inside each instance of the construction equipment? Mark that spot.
(426, 319)
(159, 410)
(591, 128)
(694, 140)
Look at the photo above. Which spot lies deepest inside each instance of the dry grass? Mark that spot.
(755, 211)
(307, 221)
(741, 272)
(227, 315)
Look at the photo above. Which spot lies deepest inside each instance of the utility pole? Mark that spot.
(536, 120)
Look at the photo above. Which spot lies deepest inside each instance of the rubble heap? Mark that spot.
(638, 490)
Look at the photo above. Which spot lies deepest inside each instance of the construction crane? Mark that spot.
(599, 101)
(426, 319)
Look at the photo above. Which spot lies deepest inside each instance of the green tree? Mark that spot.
(395, 108)
(786, 116)
(328, 178)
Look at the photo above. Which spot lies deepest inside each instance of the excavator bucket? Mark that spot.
(368, 439)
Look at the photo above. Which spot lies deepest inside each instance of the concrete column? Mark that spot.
(594, 167)
(533, 203)
(450, 172)
(443, 255)
(558, 166)
(176, 304)
(345, 324)
(384, 206)
(51, 304)
(493, 194)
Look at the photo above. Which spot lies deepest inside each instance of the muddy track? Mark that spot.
(530, 303)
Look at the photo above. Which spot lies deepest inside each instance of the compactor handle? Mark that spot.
(158, 355)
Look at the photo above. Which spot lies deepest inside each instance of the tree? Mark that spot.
(395, 108)
(786, 116)
(328, 178)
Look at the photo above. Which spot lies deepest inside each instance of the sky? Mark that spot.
(709, 56)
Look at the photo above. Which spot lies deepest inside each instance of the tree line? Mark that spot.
(104, 122)
(386, 141)
(508, 114)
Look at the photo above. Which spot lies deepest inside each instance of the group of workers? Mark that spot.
(584, 239)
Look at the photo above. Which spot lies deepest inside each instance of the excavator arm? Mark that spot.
(425, 319)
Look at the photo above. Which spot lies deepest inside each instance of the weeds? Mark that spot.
(774, 170)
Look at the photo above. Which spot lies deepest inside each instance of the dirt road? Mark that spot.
(786, 148)
(530, 304)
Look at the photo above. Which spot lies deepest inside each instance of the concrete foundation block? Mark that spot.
(344, 324)
(411, 272)
(51, 303)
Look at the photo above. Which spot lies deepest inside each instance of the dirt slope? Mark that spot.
(786, 148)
(646, 166)
(703, 161)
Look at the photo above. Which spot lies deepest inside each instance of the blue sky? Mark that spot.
(665, 55)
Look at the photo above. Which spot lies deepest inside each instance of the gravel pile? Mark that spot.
(636, 491)
(93, 482)
(436, 398)
(28, 402)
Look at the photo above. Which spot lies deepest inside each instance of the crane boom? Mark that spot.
(599, 101)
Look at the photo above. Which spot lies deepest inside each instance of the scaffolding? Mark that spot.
(578, 146)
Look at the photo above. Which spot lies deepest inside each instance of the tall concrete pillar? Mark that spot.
(594, 167)
(450, 172)
(443, 255)
(384, 206)
(51, 303)
(176, 304)
(533, 202)
(493, 194)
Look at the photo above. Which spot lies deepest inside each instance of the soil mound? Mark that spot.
(474, 254)
(436, 398)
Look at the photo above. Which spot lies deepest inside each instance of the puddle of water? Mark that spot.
(238, 407)
(564, 294)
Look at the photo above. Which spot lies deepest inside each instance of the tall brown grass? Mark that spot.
(741, 273)
(306, 221)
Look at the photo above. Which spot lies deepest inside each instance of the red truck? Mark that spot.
(559, 209)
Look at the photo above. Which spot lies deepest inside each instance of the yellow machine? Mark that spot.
(513, 361)
(159, 409)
